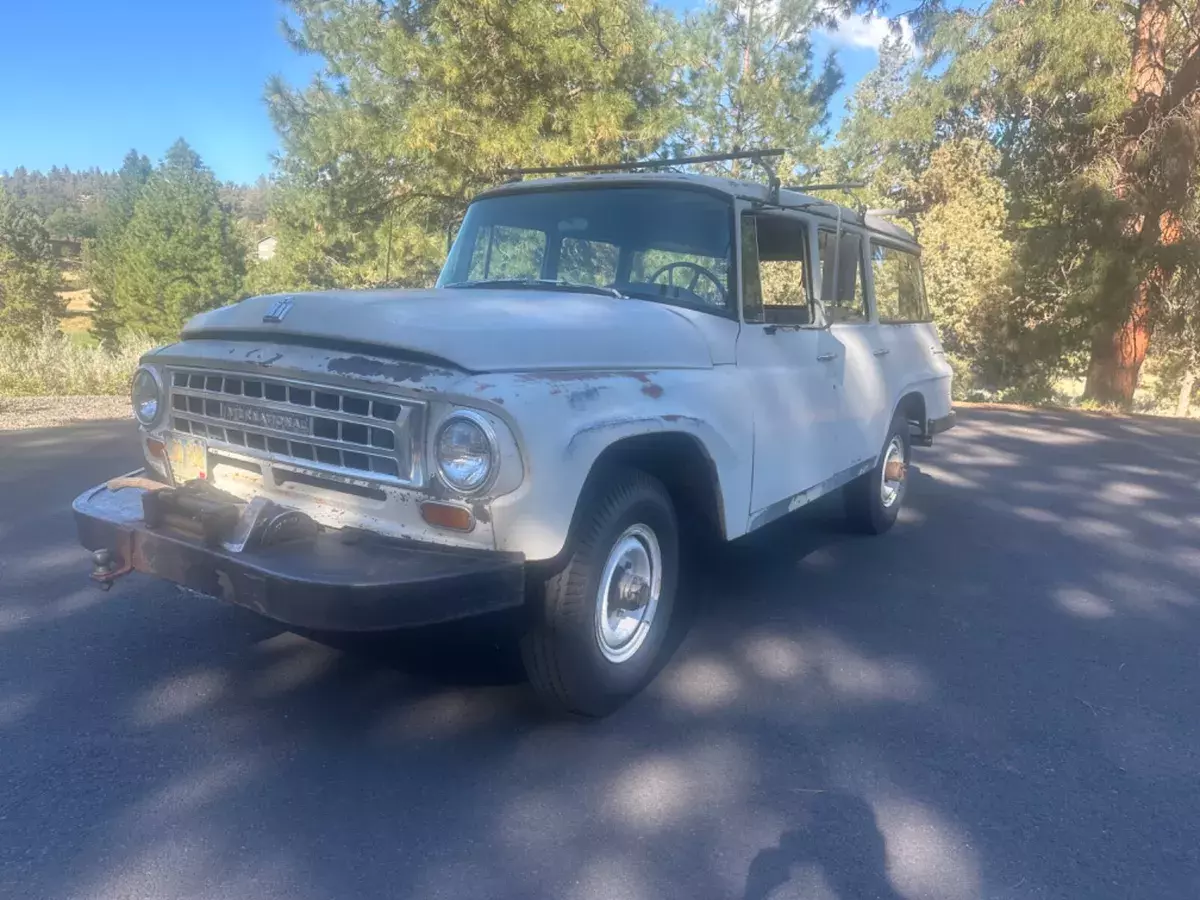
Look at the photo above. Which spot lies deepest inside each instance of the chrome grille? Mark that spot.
(323, 427)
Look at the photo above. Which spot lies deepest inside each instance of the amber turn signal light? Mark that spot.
(155, 447)
(446, 515)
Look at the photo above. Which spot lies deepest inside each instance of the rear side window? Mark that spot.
(841, 277)
(899, 291)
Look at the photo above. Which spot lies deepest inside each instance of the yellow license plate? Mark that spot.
(189, 458)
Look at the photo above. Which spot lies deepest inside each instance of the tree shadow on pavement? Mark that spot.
(839, 843)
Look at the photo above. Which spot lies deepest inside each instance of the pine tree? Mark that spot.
(178, 255)
(1092, 108)
(102, 256)
(420, 105)
(28, 272)
(751, 81)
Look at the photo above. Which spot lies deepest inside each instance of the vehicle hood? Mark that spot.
(479, 330)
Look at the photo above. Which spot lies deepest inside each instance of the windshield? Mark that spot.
(666, 244)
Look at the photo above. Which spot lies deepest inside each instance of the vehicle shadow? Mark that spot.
(485, 651)
(479, 652)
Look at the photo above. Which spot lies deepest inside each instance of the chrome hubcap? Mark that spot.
(628, 594)
(892, 480)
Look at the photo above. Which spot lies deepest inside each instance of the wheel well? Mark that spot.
(684, 467)
(912, 407)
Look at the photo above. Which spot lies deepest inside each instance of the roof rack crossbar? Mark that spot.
(643, 164)
(835, 186)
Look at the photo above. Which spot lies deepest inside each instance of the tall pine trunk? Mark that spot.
(1119, 348)
(1117, 355)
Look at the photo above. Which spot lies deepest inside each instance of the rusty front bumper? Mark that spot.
(333, 581)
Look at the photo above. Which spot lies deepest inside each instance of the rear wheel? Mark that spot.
(873, 500)
(602, 618)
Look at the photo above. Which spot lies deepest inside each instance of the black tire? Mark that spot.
(562, 648)
(865, 507)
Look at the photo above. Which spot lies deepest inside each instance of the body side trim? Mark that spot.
(782, 507)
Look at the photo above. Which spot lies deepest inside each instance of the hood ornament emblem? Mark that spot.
(278, 310)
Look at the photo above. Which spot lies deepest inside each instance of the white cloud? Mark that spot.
(867, 32)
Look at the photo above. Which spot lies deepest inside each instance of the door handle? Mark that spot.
(882, 351)
(826, 357)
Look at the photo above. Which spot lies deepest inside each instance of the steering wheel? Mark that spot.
(698, 271)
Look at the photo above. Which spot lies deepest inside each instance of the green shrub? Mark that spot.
(51, 364)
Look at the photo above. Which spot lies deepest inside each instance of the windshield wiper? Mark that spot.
(542, 284)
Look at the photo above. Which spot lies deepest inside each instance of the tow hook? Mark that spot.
(104, 569)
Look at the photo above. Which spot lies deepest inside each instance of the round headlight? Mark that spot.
(465, 452)
(146, 394)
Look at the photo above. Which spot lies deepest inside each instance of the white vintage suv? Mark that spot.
(609, 366)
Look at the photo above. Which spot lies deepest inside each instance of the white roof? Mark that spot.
(754, 191)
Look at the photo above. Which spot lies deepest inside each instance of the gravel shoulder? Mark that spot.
(17, 413)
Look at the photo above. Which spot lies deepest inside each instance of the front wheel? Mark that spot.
(873, 500)
(600, 621)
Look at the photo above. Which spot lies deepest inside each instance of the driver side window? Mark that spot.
(775, 270)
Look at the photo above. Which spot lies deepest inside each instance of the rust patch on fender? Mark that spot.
(580, 399)
(555, 377)
(558, 382)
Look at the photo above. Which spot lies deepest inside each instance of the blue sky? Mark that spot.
(82, 81)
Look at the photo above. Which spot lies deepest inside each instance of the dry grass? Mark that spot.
(77, 301)
(78, 319)
(54, 365)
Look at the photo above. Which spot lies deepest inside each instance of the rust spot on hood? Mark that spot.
(652, 390)
(250, 356)
(366, 367)
(560, 377)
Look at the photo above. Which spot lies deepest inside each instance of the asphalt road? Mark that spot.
(998, 700)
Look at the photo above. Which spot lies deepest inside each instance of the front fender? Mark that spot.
(567, 420)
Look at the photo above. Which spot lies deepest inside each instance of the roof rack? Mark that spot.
(834, 186)
(756, 155)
